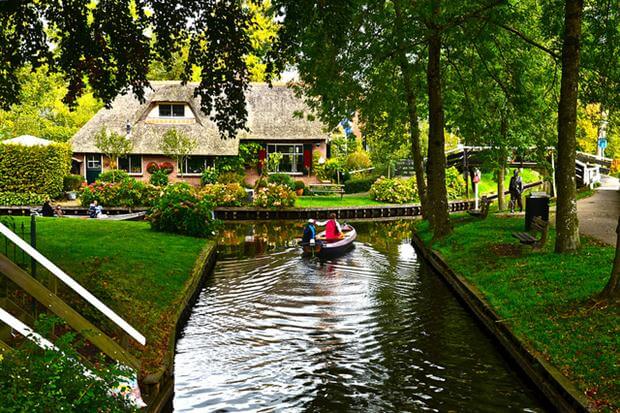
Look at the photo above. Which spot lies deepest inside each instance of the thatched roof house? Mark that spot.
(273, 117)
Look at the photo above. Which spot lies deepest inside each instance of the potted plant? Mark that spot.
(299, 187)
(72, 184)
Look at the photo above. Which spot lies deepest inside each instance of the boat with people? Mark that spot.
(335, 240)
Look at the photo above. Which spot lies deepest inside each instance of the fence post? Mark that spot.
(33, 243)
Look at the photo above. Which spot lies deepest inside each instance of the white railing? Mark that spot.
(25, 331)
(71, 283)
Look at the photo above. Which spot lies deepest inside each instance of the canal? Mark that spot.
(373, 330)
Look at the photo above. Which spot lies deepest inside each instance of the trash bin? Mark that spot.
(536, 205)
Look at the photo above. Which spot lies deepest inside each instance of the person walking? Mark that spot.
(516, 189)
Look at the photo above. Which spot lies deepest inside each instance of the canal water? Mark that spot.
(371, 331)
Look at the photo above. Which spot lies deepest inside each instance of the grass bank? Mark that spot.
(544, 297)
(328, 201)
(139, 273)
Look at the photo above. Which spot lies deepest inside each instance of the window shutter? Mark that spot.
(307, 158)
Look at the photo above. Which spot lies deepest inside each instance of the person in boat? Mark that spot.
(95, 210)
(333, 230)
(309, 232)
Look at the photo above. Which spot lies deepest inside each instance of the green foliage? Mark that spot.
(394, 190)
(177, 145)
(181, 210)
(112, 145)
(159, 178)
(231, 194)
(126, 193)
(455, 184)
(209, 175)
(357, 160)
(247, 157)
(41, 111)
(229, 178)
(282, 179)
(34, 169)
(72, 182)
(299, 185)
(274, 196)
(359, 184)
(21, 198)
(113, 175)
(35, 380)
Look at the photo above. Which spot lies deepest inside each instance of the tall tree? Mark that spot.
(567, 223)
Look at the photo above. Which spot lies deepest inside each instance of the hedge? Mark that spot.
(19, 199)
(356, 185)
(34, 169)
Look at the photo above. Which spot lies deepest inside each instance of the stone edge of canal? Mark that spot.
(558, 391)
(158, 388)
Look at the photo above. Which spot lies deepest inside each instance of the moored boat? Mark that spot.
(329, 248)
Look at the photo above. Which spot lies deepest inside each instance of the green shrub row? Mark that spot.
(127, 193)
(34, 169)
(359, 184)
(18, 199)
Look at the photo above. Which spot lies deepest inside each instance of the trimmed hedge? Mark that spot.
(356, 185)
(27, 198)
(34, 169)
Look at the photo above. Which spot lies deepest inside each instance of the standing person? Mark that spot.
(516, 189)
(333, 231)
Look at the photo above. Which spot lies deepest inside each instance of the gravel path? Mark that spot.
(598, 214)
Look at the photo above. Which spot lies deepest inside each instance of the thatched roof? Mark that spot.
(273, 114)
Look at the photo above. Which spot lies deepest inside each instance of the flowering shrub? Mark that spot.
(224, 194)
(274, 196)
(455, 184)
(113, 175)
(181, 210)
(282, 179)
(394, 190)
(128, 193)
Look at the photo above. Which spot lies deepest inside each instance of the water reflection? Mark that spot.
(369, 331)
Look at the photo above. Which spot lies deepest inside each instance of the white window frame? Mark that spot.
(129, 160)
(172, 115)
(88, 161)
(208, 162)
(294, 153)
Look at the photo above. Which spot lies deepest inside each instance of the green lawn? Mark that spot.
(544, 297)
(488, 184)
(320, 201)
(139, 273)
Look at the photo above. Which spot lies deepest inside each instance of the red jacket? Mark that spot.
(331, 230)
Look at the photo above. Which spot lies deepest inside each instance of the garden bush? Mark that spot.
(18, 199)
(357, 160)
(34, 169)
(394, 190)
(359, 184)
(224, 194)
(181, 210)
(113, 175)
(274, 196)
(209, 175)
(229, 178)
(72, 182)
(282, 179)
(159, 178)
(455, 184)
(127, 193)
(299, 185)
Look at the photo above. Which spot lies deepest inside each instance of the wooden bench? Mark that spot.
(483, 212)
(327, 189)
(538, 225)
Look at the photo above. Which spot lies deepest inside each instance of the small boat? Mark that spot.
(324, 248)
(134, 216)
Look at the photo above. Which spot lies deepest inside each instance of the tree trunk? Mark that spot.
(412, 112)
(437, 195)
(567, 223)
(612, 290)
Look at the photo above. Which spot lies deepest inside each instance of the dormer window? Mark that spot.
(171, 110)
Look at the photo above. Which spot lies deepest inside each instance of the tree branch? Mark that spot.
(524, 38)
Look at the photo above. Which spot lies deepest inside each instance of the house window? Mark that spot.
(196, 164)
(131, 163)
(292, 157)
(93, 161)
(167, 110)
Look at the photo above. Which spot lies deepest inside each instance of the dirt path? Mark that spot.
(598, 214)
